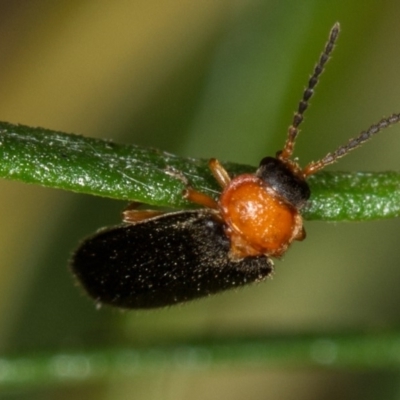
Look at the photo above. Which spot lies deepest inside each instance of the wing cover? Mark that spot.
(162, 261)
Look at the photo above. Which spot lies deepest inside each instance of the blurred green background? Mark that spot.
(202, 79)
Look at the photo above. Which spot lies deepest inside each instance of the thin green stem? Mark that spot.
(129, 172)
(355, 350)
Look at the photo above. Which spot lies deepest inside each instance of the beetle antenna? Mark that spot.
(352, 144)
(293, 131)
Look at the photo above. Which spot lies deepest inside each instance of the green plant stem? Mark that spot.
(129, 172)
(354, 351)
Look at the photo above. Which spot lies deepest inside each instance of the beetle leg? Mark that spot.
(199, 198)
(132, 216)
(219, 173)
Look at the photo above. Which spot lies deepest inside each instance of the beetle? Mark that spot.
(157, 259)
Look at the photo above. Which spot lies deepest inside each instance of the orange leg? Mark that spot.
(302, 235)
(132, 216)
(221, 176)
(199, 198)
(219, 172)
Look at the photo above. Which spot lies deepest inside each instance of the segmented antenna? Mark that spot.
(352, 144)
(293, 131)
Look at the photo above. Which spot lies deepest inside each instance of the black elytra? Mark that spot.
(162, 261)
